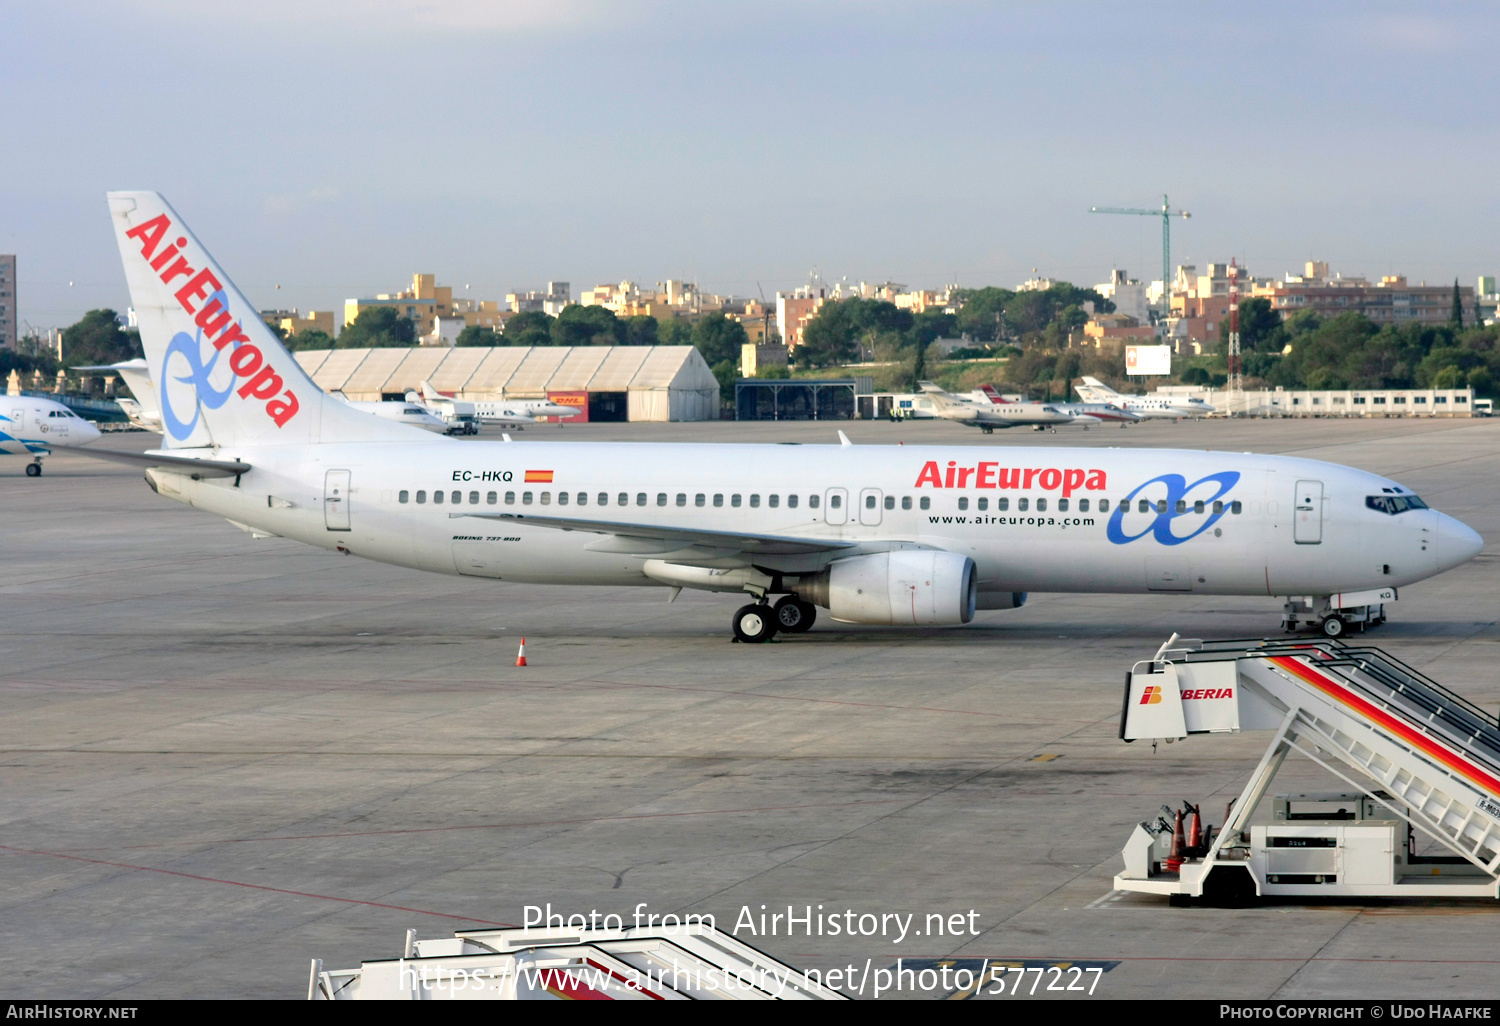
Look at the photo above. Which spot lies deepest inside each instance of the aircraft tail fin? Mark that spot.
(1098, 386)
(222, 376)
(430, 394)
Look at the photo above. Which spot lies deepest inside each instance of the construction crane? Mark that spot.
(1166, 213)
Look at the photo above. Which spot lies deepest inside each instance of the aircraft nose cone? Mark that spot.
(1457, 542)
(87, 432)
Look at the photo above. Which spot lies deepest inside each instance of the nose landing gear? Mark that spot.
(34, 469)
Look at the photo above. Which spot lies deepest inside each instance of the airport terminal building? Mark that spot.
(1364, 402)
(606, 383)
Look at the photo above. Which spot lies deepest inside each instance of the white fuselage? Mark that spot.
(29, 425)
(1031, 519)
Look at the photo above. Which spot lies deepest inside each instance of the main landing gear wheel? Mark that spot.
(1333, 626)
(33, 470)
(754, 623)
(793, 615)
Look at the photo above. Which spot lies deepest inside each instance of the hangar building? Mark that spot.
(609, 383)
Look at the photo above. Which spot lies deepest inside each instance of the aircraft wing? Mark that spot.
(683, 537)
(194, 468)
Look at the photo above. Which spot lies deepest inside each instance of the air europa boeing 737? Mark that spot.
(874, 534)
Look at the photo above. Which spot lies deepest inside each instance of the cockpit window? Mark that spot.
(1394, 504)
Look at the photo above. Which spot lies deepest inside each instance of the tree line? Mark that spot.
(1349, 351)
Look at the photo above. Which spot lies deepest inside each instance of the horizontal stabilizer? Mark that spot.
(194, 468)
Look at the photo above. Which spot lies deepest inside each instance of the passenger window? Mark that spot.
(604, 498)
(835, 501)
(812, 502)
(734, 500)
(526, 498)
(718, 499)
(926, 502)
(1161, 505)
(890, 502)
(1144, 506)
(1235, 507)
(492, 498)
(562, 498)
(421, 497)
(870, 502)
(1218, 507)
(754, 500)
(1062, 505)
(682, 498)
(1083, 505)
(983, 504)
(906, 502)
(640, 498)
(963, 502)
(699, 499)
(623, 499)
(457, 497)
(547, 498)
(661, 498)
(1198, 506)
(1022, 504)
(791, 501)
(437, 497)
(773, 501)
(1041, 504)
(583, 498)
(403, 496)
(510, 498)
(1181, 505)
(1002, 504)
(1103, 505)
(473, 498)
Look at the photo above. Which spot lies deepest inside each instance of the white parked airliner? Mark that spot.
(30, 426)
(875, 534)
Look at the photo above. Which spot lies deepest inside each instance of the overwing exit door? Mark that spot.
(336, 500)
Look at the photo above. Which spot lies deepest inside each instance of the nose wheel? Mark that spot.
(34, 469)
(754, 623)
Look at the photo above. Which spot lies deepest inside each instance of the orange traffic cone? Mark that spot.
(521, 655)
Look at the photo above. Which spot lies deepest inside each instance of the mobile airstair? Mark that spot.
(691, 962)
(1419, 756)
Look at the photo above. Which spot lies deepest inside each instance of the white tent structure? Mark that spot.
(657, 383)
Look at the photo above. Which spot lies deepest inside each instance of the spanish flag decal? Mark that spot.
(538, 477)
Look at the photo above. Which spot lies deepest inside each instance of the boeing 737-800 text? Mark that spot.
(875, 534)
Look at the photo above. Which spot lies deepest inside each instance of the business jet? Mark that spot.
(1149, 407)
(1085, 415)
(411, 413)
(505, 412)
(143, 409)
(987, 416)
(33, 427)
(881, 535)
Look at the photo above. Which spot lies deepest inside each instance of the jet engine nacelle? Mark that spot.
(909, 587)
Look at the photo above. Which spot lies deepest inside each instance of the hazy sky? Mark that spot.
(333, 147)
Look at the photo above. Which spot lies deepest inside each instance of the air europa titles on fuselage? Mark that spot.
(214, 318)
(992, 475)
